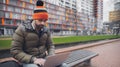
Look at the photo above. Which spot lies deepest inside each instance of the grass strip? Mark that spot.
(6, 44)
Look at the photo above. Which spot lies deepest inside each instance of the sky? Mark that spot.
(107, 7)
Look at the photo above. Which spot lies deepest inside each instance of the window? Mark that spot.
(1, 1)
(27, 11)
(7, 15)
(21, 4)
(7, 21)
(13, 2)
(29, 6)
(29, 17)
(10, 8)
(2, 7)
(16, 16)
(18, 22)
(23, 11)
(18, 10)
(2, 14)
(0, 22)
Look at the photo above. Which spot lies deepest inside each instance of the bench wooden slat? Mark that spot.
(79, 56)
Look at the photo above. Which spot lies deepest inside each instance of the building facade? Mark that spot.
(117, 6)
(12, 13)
(71, 4)
(86, 8)
(115, 15)
(63, 16)
(66, 17)
(58, 20)
(98, 13)
(114, 18)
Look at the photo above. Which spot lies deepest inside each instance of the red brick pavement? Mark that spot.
(109, 55)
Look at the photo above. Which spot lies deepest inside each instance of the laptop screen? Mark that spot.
(55, 60)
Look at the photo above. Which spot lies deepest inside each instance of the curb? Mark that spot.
(85, 46)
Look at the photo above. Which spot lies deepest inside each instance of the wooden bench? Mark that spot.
(80, 56)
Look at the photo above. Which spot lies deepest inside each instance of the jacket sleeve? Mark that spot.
(17, 46)
(50, 46)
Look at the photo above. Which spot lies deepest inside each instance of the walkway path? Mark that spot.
(109, 55)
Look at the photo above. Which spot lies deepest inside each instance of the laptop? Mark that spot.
(55, 60)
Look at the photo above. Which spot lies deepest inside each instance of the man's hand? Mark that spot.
(39, 61)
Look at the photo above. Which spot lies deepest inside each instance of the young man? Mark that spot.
(31, 40)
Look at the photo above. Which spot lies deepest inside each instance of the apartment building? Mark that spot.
(85, 6)
(115, 15)
(98, 13)
(70, 14)
(61, 19)
(12, 13)
(63, 3)
(114, 18)
(116, 1)
(117, 6)
(87, 19)
(66, 17)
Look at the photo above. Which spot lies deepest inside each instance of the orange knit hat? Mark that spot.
(40, 11)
